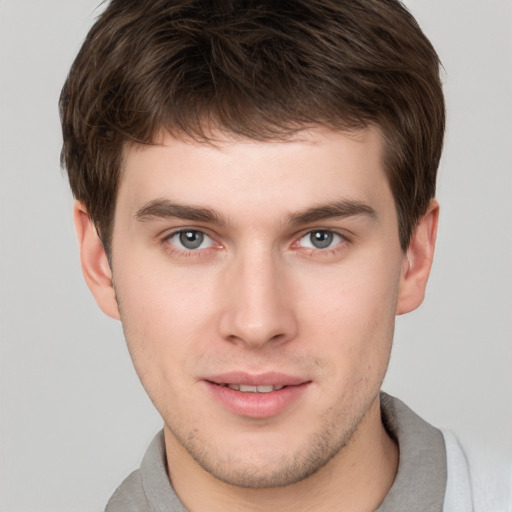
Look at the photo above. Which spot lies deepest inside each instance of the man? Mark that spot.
(255, 189)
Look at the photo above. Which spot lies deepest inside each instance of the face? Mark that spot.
(257, 285)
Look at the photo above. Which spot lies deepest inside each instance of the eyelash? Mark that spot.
(328, 251)
(309, 251)
(174, 249)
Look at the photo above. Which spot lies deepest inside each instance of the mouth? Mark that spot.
(257, 396)
(247, 388)
(256, 383)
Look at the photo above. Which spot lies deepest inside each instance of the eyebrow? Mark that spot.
(339, 209)
(166, 209)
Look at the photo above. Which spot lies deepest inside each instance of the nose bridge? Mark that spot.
(258, 309)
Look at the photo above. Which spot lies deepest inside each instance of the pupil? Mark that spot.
(321, 239)
(191, 239)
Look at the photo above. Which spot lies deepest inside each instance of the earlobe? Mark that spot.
(417, 261)
(95, 264)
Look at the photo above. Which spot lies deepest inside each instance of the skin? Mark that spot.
(257, 296)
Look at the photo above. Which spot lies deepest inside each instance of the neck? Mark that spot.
(356, 479)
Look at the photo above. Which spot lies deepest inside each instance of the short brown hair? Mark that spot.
(262, 69)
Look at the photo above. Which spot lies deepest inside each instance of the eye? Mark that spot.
(320, 239)
(190, 239)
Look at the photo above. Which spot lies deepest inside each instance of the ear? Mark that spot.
(95, 264)
(418, 261)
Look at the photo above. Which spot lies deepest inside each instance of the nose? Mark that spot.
(257, 303)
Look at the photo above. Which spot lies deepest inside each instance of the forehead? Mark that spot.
(235, 175)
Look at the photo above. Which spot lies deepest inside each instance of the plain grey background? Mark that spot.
(74, 418)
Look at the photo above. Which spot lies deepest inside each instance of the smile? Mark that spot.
(257, 396)
(246, 388)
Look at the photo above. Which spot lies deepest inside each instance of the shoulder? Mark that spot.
(148, 489)
(478, 479)
(129, 496)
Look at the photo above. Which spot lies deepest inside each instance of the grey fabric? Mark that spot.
(419, 485)
(148, 489)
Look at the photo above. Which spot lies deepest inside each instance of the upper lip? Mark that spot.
(260, 379)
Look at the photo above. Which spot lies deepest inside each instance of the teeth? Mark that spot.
(248, 389)
(265, 389)
(245, 388)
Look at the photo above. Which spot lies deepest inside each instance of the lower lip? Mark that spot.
(257, 405)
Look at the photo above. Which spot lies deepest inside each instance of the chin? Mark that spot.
(251, 467)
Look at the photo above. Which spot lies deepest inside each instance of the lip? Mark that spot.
(262, 379)
(256, 405)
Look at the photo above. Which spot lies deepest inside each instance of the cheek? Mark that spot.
(364, 292)
(352, 314)
(162, 314)
(160, 294)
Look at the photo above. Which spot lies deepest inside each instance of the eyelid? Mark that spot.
(336, 238)
(167, 237)
(170, 232)
(345, 239)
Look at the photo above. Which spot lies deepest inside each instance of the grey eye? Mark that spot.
(191, 239)
(320, 239)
